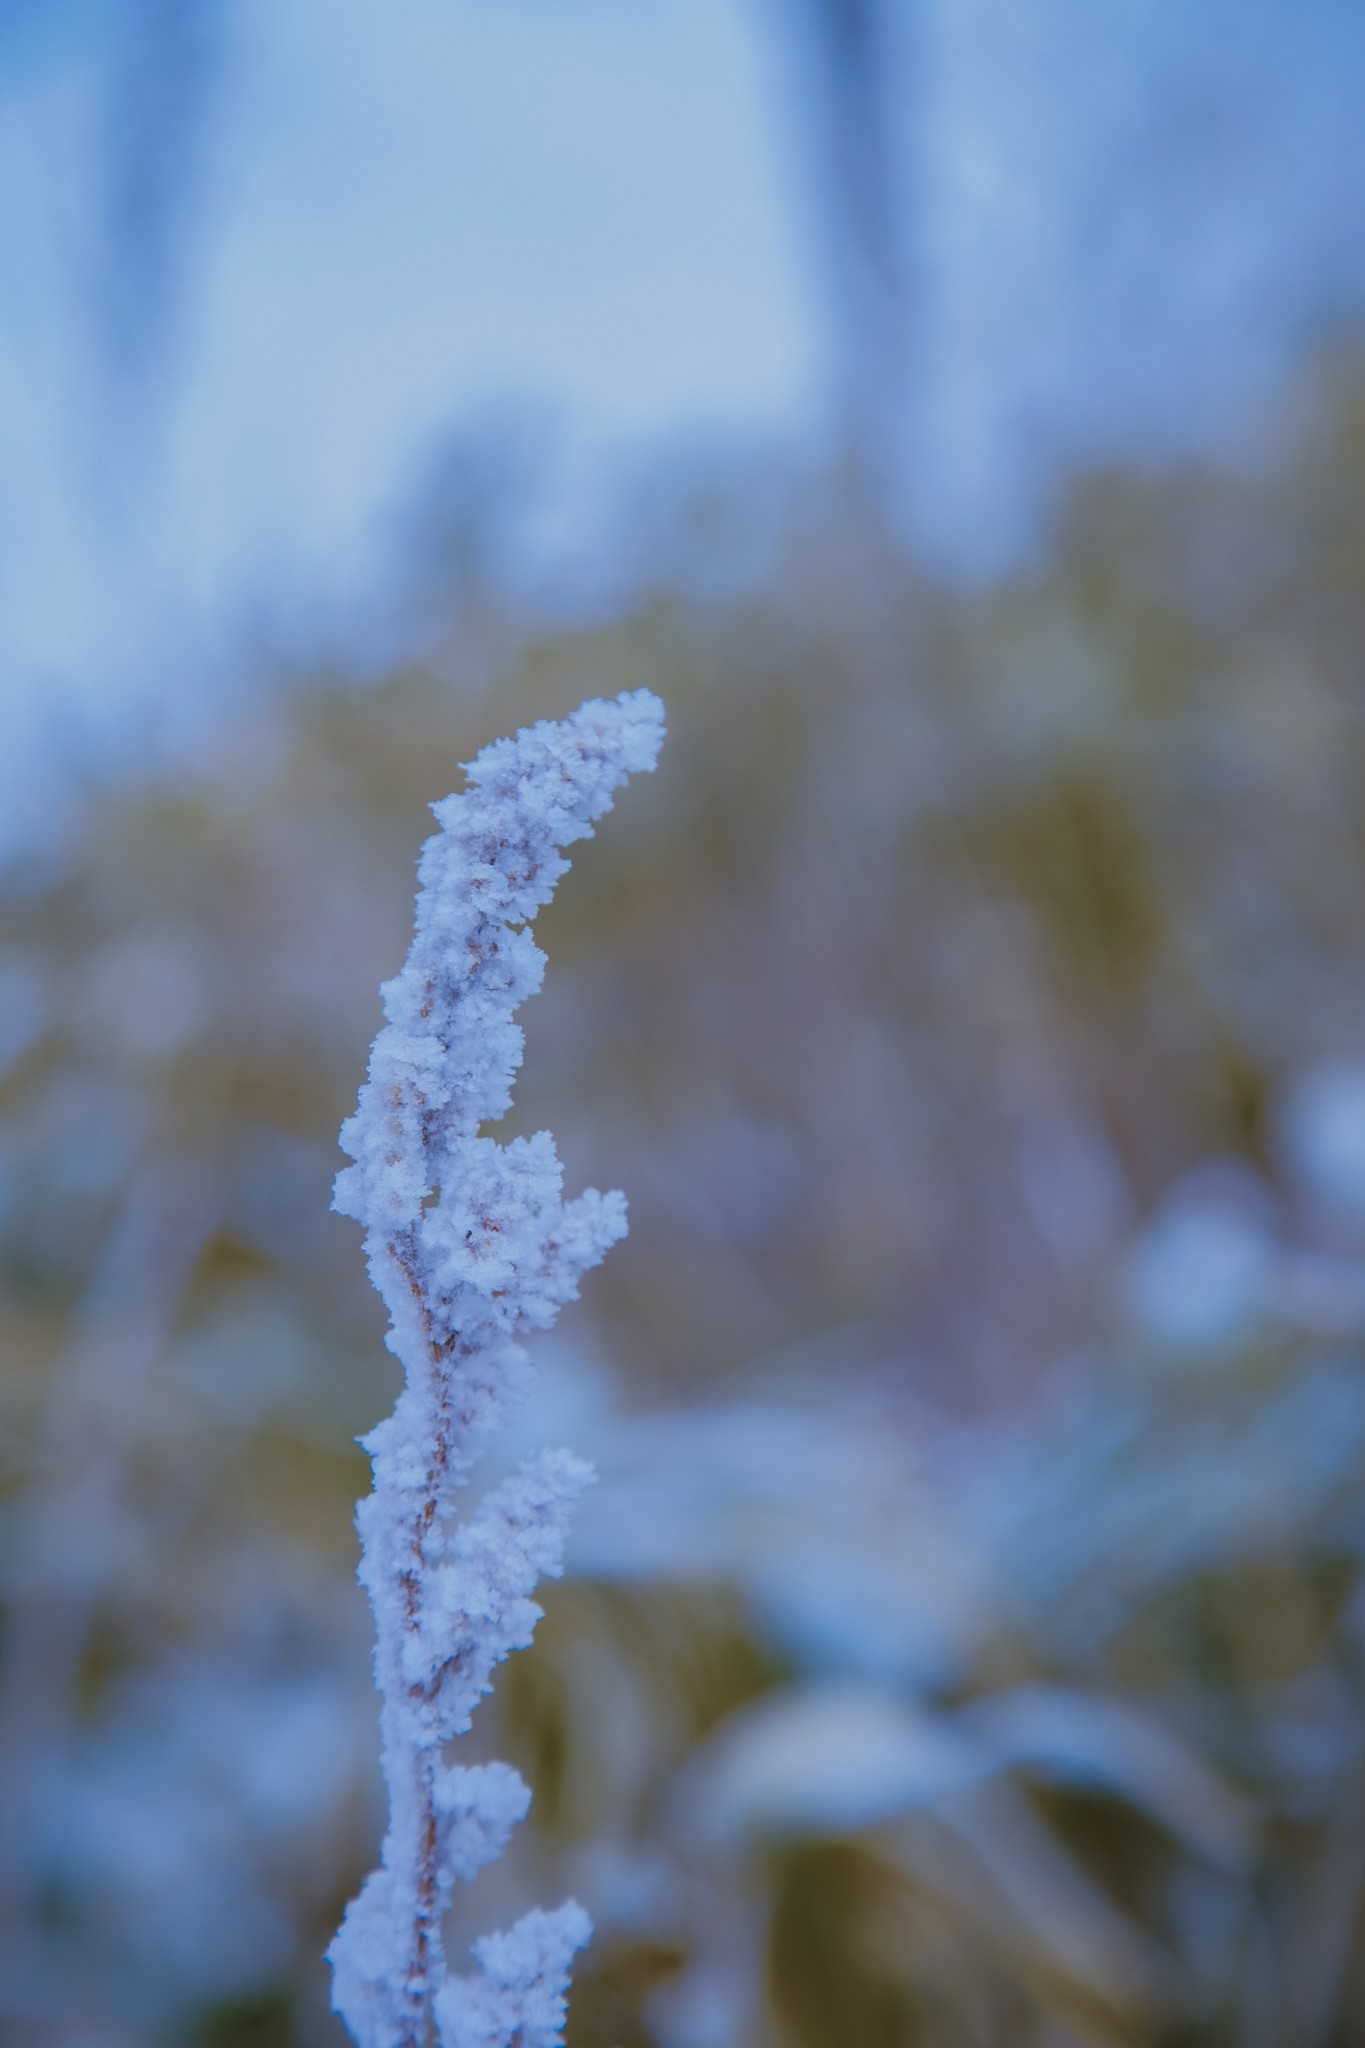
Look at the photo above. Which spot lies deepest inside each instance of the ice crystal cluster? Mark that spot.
(470, 1243)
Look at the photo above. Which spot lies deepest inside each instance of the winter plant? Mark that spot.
(470, 1244)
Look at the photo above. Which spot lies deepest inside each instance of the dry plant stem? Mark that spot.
(425, 1926)
(471, 1244)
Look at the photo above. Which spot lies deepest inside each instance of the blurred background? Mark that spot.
(955, 409)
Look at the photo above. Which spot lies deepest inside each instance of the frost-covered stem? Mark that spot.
(403, 1618)
(470, 1244)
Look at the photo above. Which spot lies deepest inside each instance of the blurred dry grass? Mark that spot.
(956, 927)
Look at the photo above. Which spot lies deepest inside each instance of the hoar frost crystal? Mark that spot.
(470, 1244)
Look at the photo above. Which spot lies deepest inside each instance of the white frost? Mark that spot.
(471, 1244)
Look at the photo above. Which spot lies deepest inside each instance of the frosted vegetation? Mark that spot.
(470, 1245)
(963, 1643)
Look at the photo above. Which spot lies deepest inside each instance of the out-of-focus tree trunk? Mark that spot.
(851, 109)
(165, 69)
